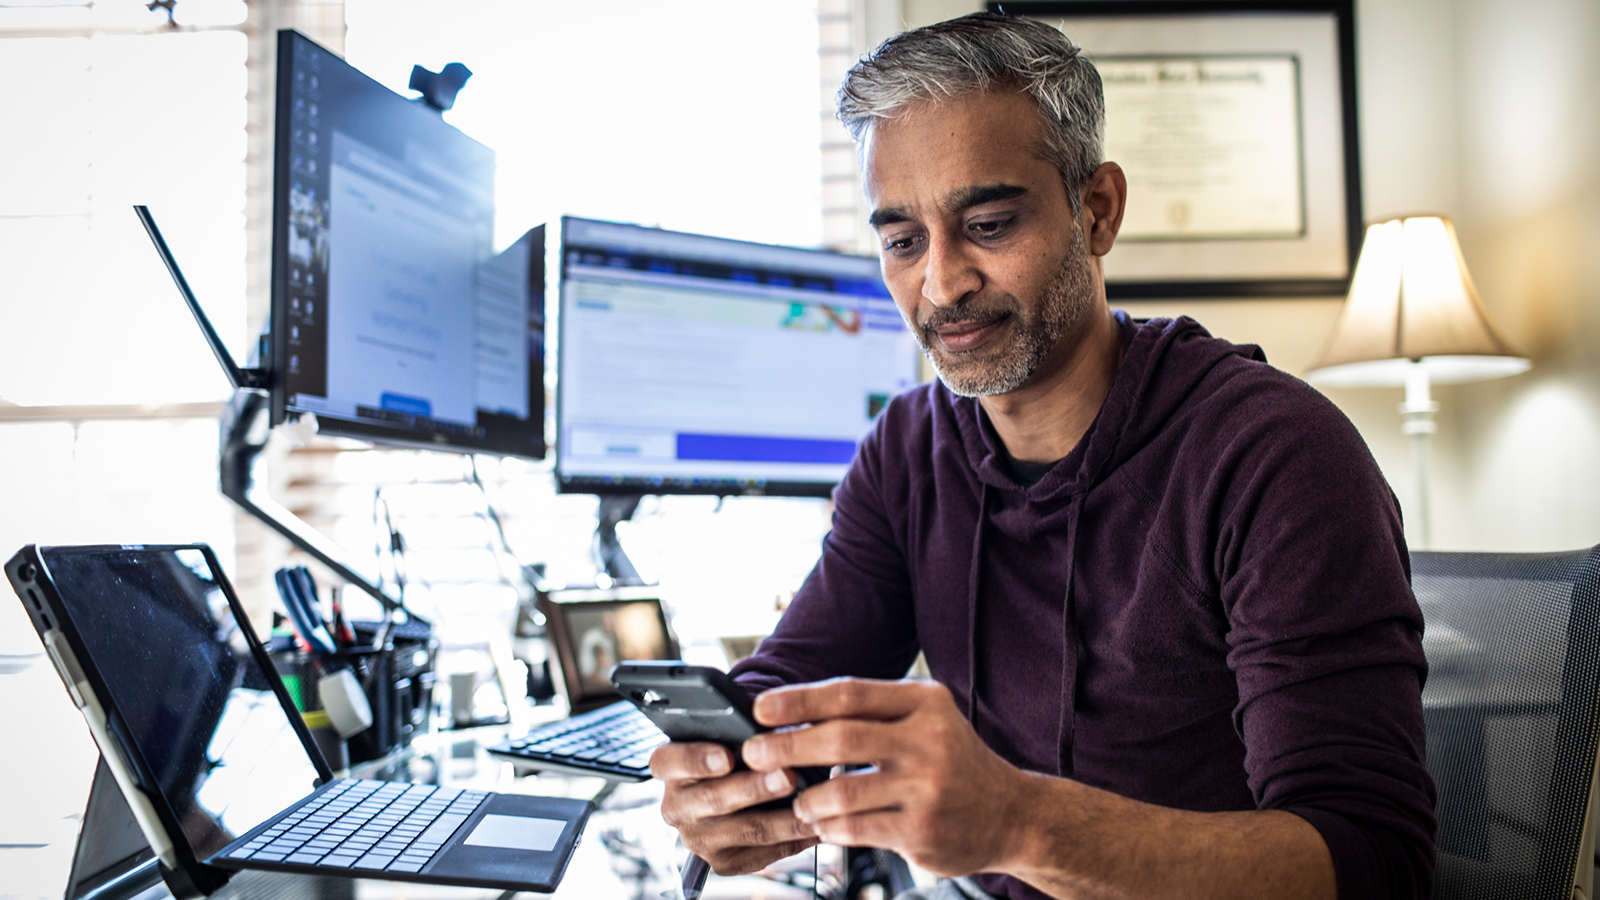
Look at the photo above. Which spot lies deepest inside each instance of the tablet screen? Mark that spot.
(179, 674)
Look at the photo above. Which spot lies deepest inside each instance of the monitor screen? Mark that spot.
(391, 319)
(694, 364)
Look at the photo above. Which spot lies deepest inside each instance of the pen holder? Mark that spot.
(398, 682)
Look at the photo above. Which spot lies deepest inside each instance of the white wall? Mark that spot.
(1487, 111)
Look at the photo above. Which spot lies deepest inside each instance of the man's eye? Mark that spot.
(989, 229)
(902, 246)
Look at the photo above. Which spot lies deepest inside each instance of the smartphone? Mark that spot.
(697, 703)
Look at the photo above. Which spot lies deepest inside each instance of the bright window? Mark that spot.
(695, 116)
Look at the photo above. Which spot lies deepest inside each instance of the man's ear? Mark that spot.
(1105, 196)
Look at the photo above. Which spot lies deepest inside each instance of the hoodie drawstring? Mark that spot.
(1071, 654)
(973, 579)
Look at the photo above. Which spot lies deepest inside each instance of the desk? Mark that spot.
(627, 852)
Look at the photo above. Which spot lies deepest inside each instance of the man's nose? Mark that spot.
(949, 273)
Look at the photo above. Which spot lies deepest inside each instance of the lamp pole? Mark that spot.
(1418, 410)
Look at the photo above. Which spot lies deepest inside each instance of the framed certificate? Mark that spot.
(1235, 123)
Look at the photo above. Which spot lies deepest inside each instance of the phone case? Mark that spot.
(696, 703)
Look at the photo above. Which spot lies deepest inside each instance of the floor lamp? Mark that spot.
(1413, 319)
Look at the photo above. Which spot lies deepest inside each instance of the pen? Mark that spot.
(694, 877)
(342, 633)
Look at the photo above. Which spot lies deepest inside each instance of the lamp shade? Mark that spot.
(1411, 301)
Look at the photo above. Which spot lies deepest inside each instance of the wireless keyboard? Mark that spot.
(614, 741)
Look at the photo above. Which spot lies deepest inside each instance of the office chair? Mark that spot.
(1512, 707)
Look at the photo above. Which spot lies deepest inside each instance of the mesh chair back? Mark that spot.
(1513, 647)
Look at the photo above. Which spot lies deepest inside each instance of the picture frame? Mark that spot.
(1235, 122)
(593, 630)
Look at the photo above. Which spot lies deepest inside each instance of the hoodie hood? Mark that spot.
(1163, 361)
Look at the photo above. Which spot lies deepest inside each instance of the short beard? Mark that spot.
(1001, 370)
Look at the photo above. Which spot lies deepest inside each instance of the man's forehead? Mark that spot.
(952, 154)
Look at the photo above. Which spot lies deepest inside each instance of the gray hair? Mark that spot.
(984, 52)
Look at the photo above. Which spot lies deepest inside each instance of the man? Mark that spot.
(1161, 587)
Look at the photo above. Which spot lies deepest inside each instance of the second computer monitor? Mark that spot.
(695, 364)
(391, 319)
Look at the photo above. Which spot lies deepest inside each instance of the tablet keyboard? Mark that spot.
(392, 826)
(614, 741)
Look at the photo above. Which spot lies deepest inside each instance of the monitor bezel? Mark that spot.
(277, 340)
(643, 485)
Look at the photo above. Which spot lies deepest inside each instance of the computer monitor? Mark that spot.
(695, 364)
(391, 318)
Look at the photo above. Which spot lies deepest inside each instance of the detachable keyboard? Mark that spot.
(392, 826)
(614, 741)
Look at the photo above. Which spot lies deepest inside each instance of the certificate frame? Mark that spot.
(1319, 35)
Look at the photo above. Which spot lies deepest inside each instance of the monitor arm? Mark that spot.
(244, 436)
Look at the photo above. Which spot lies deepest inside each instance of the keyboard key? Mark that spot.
(443, 828)
(304, 859)
(338, 859)
(405, 867)
(269, 856)
(373, 861)
(242, 853)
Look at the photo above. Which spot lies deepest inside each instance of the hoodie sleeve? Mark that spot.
(853, 615)
(1325, 637)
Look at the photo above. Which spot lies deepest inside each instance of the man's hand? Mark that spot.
(938, 796)
(709, 807)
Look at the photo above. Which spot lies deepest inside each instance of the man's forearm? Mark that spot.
(1075, 841)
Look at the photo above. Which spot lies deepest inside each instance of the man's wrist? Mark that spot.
(1024, 825)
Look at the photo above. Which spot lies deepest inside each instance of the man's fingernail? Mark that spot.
(716, 761)
(777, 781)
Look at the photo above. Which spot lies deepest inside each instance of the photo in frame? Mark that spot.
(1235, 123)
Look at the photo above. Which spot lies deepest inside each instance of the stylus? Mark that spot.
(694, 877)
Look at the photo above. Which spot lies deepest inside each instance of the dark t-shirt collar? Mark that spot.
(1026, 473)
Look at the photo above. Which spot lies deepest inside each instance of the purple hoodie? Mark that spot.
(1206, 605)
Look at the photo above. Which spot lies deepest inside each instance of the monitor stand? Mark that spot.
(615, 509)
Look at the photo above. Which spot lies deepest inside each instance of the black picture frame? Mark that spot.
(569, 612)
(1246, 267)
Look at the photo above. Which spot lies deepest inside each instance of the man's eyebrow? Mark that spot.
(979, 194)
(888, 216)
(964, 198)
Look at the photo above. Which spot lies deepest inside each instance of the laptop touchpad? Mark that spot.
(517, 833)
